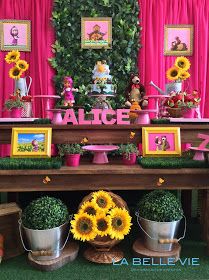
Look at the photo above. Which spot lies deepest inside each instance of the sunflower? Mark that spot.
(83, 227)
(103, 200)
(172, 73)
(182, 63)
(12, 56)
(15, 73)
(89, 207)
(183, 75)
(22, 65)
(120, 222)
(103, 224)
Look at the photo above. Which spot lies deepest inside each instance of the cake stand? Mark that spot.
(199, 153)
(100, 152)
(57, 115)
(143, 116)
(49, 101)
(158, 103)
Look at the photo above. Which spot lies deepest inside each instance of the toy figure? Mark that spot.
(14, 33)
(96, 34)
(68, 92)
(35, 145)
(135, 92)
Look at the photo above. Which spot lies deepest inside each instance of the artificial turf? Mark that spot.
(18, 268)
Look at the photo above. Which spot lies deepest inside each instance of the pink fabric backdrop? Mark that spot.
(42, 33)
(153, 64)
(39, 12)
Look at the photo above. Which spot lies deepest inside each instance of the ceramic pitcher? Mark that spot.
(21, 84)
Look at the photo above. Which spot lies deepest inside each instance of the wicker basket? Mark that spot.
(175, 112)
(102, 251)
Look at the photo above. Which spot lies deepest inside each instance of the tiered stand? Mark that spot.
(114, 175)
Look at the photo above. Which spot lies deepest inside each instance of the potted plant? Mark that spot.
(45, 222)
(72, 153)
(159, 213)
(14, 104)
(103, 220)
(129, 152)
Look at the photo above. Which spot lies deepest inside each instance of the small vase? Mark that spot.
(15, 112)
(131, 160)
(72, 160)
(189, 113)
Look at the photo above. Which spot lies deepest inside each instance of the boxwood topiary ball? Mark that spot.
(160, 206)
(45, 213)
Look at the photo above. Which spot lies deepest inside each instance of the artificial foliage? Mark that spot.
(171, 162)
(71, 60)
(30, 163)
(70, 149)
(45, 213)
(127, 149)
(160, 206)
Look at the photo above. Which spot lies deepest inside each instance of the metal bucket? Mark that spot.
(156, 232)
(45, 244)
(176, 86)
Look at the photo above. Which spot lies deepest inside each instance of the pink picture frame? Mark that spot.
(96, 32)
(178, 40)
(161, 141)
(15, 35)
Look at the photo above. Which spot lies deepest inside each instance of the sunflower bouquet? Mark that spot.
(20, 65)
(99, 216)
(179, 71)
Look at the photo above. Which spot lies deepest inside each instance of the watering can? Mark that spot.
(169, 87)
(21, 84)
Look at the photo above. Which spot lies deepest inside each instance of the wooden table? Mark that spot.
(114, 176)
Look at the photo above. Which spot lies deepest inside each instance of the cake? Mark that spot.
(102, 80)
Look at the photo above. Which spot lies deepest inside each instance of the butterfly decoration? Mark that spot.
(132, 135)
(84, 140)
(160, 182)
(46, 180)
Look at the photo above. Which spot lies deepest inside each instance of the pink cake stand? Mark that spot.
(199, 153)
(57, 115)
(100, 152)
(143, 116)
(49, 101)
(158, 101)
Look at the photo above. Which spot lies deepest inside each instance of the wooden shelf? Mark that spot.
(89, 176)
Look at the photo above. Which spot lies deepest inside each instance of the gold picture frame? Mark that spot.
(31, 142)
(15, 35)
(178, 39)
(96, 32)
(161, 141)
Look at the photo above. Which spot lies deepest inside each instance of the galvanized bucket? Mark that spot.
(159, 236)
(176, 86)
(45, 244)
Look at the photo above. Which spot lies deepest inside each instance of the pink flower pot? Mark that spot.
(189, 113)
(72, 160)
(131, 160)
(16, 112)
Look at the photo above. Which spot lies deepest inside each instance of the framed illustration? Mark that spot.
(178, 40)
(15, 35)
(96, 33)
(161, 141)
(31, 142)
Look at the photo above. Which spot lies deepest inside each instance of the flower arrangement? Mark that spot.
(183, 99)
(73, 149)
(20, 65)
(179, 71)
(128, 149)
(14, 101)
(100, 217)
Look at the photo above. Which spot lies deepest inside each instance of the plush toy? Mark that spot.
(135, 92)
(68, 92)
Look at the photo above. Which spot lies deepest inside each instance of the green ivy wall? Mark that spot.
(71, 60)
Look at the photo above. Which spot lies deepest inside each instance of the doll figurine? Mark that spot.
(68, 92)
